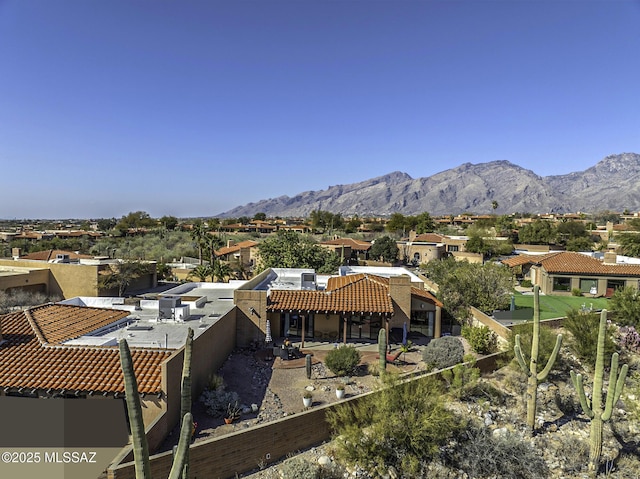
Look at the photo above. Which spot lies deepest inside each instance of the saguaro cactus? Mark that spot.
(307, 365)
(185, 394)
(138, 436)
(382, 349)
(532, 371)
(594, 408)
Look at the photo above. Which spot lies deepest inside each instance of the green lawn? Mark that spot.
(556, 306)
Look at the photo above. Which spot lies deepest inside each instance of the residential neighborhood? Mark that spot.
(66, 349)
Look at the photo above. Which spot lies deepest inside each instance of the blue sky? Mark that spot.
(191, 108)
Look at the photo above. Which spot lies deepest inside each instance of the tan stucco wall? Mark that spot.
(23, 278)
(251, 316)
(66, 280)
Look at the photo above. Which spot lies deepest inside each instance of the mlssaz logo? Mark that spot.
(70, 457)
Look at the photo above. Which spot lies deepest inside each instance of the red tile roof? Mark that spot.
(356, 293)
(352, 243)
(26, 362)
(430, 238)
(236, 247)
(566, 262)
(50, 254)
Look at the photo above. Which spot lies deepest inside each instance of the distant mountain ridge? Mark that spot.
(613, 184)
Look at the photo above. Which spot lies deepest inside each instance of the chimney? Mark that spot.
(400, 292)
(412, 235)
(230, 243)
(15, 252)
(610, 258)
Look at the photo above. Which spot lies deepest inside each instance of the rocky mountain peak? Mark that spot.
(613, 183)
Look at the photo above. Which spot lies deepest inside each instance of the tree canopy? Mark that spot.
(288, 249)
(462, 285)
(384, 248)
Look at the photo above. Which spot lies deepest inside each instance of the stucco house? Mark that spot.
(564, 271)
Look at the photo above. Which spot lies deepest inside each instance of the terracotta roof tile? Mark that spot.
(60, 322)
(25, 362)
(566, 262)
(51, 254)
(430, 238)
(236, 247)
(352, 243)
(352, 293)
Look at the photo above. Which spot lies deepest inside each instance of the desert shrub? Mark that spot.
(343, 360)
(481, 454)
(629, 339)
(217, 400)
(574, 452)
(584, 328)
(20, 299)
(481, 339)
(625, 305)
(546, 341)
(403, 425)
(373, 369)
(443, 352)
(461, 379)
(298, 467)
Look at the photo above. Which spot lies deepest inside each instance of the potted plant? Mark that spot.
(307, 398)
(340, 391)
(233, 412)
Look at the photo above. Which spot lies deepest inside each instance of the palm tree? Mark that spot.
(198, 234)
(220, 271)
(214, 242)
(202, 272)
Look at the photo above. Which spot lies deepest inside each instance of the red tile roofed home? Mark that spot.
(562, 272)
(243, 252)
(55, 254)
(351, 249)
(354, 307)
(35, 362)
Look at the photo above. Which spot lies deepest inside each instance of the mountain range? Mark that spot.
(612, 184)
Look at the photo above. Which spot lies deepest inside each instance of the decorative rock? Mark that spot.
(500, 432)
(254, 407)
(324, 460)
(488, 420)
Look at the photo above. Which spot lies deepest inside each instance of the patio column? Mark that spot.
(302, 318)
(437, 327)
(344, 330)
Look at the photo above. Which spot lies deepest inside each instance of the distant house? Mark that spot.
(244, 253)
(351, 249)
(562, 272)
(66, 274)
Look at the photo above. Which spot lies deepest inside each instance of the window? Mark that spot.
(587, 284)
(561, 284)
(452, 247)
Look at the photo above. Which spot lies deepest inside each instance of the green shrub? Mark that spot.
(526, 283)
(546, 341)
(298, 467)
(343, 361)
(460, 379)
(403, 425)
(481, 454)
(584, 328)
(576, 292)
(481, 339)
(443, 352)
